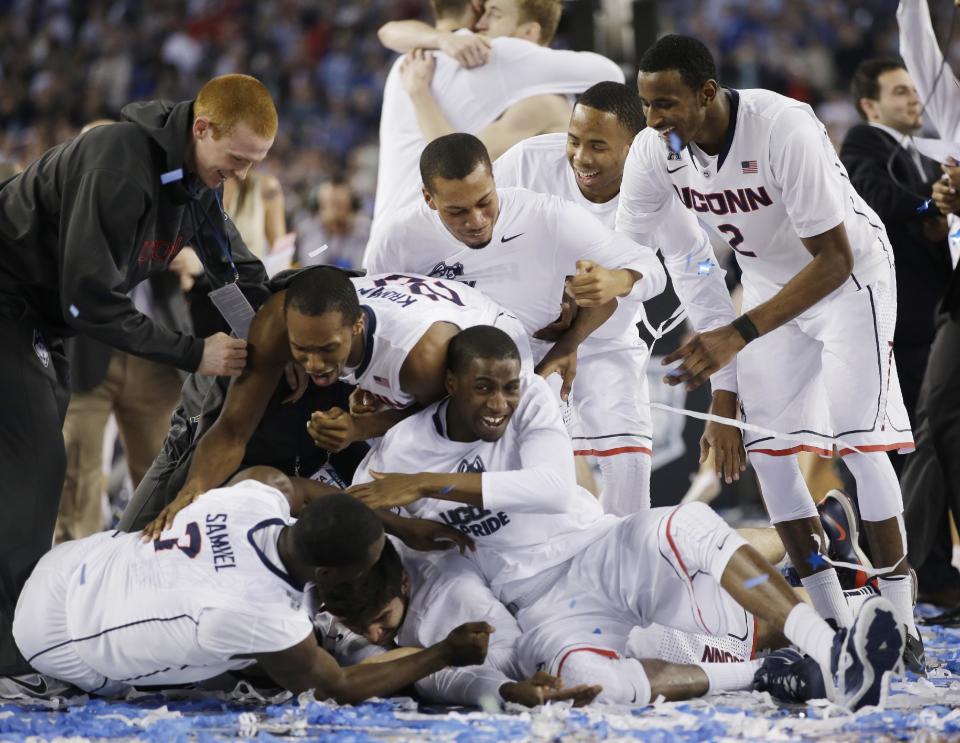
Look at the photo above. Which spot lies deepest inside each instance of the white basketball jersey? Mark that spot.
(472, 100)
(776, 180)
(180, 608)
(399, 309)
(540, 164)
(534, 515)
(536, 243)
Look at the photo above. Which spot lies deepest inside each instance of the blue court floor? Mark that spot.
(925, 709)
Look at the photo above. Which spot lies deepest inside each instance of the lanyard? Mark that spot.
(219, 235)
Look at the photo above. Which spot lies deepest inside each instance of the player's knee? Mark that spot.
(880, 497)
(623, 679)
(785, 492)
(703, 539)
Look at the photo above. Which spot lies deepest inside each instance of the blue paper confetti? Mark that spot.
(675, 144)
(171, 176)
(704, 267)
(446, 490)
(815, 560)
(754, 582)
(925, 206)
(597, 631)
(573, 602)
(74, 311)
(955, 234)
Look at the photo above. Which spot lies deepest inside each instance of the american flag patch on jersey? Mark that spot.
(748, 167)
(381, 380)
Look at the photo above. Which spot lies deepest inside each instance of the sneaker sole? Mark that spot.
(876, 614)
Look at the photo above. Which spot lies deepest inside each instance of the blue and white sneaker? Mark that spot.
(865, 656)
(841, 525)
(790, 676)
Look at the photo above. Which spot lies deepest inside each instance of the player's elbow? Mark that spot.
(386, 36)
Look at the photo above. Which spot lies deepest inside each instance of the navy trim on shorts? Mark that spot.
(612, 436)
(876, 418)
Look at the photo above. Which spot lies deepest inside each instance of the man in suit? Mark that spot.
(897, 182)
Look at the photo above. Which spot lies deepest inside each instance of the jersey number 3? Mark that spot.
(735, 238)
(191, 549)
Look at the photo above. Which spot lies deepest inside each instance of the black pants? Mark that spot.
(931, 477)
(34, 384)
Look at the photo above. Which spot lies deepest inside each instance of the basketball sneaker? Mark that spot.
(840, 522)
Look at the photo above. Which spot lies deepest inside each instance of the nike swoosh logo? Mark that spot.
(676, 169)
(40, 688)
(720, 546)
(836, 525)
(506, 239)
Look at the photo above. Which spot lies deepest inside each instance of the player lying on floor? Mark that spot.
(410, 599)
(495, 456)
(222, 591)
(407, 602)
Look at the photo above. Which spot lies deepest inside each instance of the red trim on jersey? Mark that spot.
(909, 445)
(673, 546)
(610, 452)
(611, 654)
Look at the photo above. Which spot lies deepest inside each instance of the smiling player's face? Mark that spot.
(597, 148)
(483, 398)
(671, 106)
(468, 207)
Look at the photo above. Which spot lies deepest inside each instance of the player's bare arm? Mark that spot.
(424, 535)
(706, 352)
(389, 490)
(562, 357)
(726, 442)
(421, 376)
(307, 666)
(539, 114)
(594, 284)
(469, 50)
(221, 450)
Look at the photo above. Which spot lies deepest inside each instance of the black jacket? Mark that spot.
(923, 265)
(90, 219)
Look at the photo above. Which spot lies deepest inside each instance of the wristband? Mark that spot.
(748, 331)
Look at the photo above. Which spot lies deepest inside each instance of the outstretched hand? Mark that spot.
(702, 355)
(542, 688)
(390, 490)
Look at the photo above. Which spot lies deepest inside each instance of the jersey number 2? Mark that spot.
(736, 237)
(191, 549)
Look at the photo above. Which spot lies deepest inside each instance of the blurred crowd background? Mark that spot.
(66, 62)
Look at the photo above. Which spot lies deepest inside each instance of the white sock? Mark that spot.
(626, 483)
(898, 590)
(856, 597)
(809, 631)
(735, 676)
(827, 596)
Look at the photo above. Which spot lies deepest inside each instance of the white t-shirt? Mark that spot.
(471, 100)
(536, 243)
(540, 164)
(778, 179)
(534, 516)
(181, 608)
(446, 590)
(399, 309)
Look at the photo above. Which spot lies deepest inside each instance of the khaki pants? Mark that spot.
(142, 395)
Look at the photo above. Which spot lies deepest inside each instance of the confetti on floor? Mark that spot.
(918, 708)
